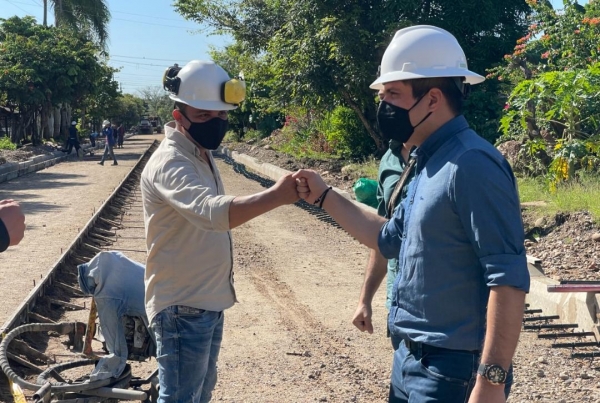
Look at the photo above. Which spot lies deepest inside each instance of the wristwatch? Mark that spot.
(495, 374)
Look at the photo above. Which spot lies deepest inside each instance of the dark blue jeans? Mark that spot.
(188, 341)
(440, 375)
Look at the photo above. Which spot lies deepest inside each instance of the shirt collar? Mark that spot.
(182, 141)
(439, 137)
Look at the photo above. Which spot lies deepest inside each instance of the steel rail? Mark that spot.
(21, 314)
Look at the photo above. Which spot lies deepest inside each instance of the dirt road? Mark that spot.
(290, 339)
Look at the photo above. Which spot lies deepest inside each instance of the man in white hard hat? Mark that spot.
(188, 217)
(459, 295)
(109, 138)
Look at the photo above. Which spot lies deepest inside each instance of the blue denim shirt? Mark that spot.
(457, 233)
(391, 167)
(117, 284)
(109, 133)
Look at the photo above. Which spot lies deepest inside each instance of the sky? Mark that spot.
(145, 37)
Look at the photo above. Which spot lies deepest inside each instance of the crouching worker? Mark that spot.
(117, 285)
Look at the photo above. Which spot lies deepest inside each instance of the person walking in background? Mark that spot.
(459, 297)
(109, 134)
(12, 224)
(73, 140)
(120, 135)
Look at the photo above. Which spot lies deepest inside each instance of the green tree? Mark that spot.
(324, 53)
(129, 110)
(552, 83)
(158, 102)
(89, 16)
(44, 67)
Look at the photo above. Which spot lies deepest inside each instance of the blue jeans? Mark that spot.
(188, 341)
(441, 375)
(108, 148)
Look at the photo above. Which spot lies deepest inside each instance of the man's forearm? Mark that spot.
(245, 208)
(374, 275)
(361, 224)
(505, 311)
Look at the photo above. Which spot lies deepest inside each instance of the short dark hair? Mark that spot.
(447, 85)
(181, 106)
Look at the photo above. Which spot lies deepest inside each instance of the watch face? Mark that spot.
(496, 374)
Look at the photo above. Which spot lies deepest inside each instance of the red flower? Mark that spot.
(506, 107)
(546, 55)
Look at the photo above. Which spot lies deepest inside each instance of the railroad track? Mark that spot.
(55, 293)
(34, 322)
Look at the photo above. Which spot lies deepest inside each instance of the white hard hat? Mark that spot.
(424, 51)
(106, 122)
(201, 86)
(73, 122)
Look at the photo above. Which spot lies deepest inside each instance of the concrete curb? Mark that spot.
(274, 172)
(12, 170)
(581, 308)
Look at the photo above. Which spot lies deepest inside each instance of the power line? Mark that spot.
(143, 15)
(152, 23)
(139, 64)
(20, 8)
(145, 58)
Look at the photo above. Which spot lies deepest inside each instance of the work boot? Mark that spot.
(101, 163)
(114, 163)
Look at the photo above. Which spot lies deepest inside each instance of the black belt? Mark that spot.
(421, 348)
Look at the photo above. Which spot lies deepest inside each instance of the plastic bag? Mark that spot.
(365, 190)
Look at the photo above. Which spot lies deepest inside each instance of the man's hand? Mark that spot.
(485, 392)
(362, 318)
(310, 185)
(13, 219)
(285, 189)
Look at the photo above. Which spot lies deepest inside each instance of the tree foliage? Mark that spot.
(325, 53)
(45, 67)
(552, 78)
(90, 17)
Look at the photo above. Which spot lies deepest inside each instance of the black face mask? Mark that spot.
(394, 122)
(209, 134)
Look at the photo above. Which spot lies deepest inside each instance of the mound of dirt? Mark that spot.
(567, 244)
(26, 152)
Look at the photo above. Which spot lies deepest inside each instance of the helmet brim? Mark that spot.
(205, 105)
(470, 77)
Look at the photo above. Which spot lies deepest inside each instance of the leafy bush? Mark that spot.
(553, 80)
(346, 134)
(302, 135)
(6, 144)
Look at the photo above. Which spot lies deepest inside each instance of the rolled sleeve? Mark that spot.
(390, 239)
(487, 202)
(187, 192)
(505, 270)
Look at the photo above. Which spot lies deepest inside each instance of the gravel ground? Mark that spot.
(290, 338)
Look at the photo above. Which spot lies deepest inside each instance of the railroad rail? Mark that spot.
(37, 314)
